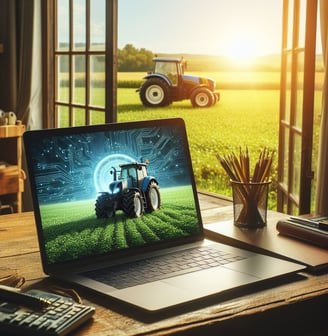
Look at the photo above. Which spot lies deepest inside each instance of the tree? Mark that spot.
(133, 59)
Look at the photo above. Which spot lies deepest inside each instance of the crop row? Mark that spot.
(163, 224)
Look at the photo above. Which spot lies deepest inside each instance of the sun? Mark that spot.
(243, 50)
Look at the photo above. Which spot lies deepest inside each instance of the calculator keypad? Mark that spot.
(60, 317)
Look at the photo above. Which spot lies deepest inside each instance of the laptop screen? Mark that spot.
(107, 188)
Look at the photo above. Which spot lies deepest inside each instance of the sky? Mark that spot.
(215, 27)
(234, 28)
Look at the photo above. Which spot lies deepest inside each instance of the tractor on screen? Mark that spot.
(132, 190)
(168, 83)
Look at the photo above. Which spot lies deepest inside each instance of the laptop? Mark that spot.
(116, 205)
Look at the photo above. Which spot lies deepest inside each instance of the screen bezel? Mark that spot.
(30, 137)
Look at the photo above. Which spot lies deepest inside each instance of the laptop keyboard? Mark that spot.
(162, 267)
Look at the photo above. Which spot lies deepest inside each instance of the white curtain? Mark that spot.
(322, 181)
(35, 117)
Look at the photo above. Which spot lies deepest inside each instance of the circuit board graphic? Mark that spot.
(76, 167)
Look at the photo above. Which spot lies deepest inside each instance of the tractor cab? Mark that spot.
(171, 68)
(133, 173)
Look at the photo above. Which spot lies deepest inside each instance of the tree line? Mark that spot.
(131, 58)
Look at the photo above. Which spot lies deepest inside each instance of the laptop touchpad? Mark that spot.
(212, 280)
(183, 288)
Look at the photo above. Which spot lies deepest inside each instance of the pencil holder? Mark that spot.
(250, 201)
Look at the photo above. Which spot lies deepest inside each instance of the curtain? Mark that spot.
(16, 33)
(30, 103)
(322, 180)
(8, 68)
(25, 15)
(34, 119)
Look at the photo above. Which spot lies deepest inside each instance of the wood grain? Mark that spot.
(258, 311)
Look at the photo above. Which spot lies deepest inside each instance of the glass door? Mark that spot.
(296, 106)
(81, 69)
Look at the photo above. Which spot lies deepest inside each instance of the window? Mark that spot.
(80, 81)
(296, 106)
(80, 68)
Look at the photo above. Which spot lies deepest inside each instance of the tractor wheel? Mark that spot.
(153, 197)
(202, 97)
(104, 206)
(155, 92)
(132, 204)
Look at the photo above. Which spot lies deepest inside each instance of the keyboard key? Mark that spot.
(162, 267)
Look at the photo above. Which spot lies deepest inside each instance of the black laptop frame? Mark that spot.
(31, 137)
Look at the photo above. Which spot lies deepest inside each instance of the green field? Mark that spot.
(251, 119)
(71, 230)
(242, 118)
(247, 115)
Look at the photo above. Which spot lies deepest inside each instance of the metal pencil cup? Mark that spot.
(250, 202)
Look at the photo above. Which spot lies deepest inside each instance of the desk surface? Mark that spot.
(298, 306)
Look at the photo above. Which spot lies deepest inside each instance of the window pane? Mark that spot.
(290, 25)
(79, 79)
(293, 209)
(62, 25)
(97, 80)
(288, 87)
(295, 188)
(62, 113)
(285, 200)
(97, 24)
(97, 117)
(79, 24)
(302, 18)
(62, 92)
(284, 159)
(79, 117)
(299, 90)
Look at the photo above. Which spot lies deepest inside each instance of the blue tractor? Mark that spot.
(132, 190)
(168, 83)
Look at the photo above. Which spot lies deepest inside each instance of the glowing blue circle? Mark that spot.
(102, 177)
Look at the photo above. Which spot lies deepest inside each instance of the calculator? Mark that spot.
(59, 317)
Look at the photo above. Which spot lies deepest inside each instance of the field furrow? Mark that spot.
(71, 234)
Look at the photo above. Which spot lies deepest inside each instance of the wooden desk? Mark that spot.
(296, 308)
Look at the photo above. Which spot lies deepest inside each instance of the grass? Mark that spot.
(244, 116)
(72, 230)
(249, 120)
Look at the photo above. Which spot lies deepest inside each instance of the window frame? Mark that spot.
(286, 199)
(293, 199)
(49, 75)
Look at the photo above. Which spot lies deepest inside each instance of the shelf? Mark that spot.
(8, 131)
(10, 180)
(11, 174)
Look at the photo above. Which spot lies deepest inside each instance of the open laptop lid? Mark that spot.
(87, 198)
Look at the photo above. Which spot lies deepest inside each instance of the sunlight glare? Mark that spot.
(243, 50)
